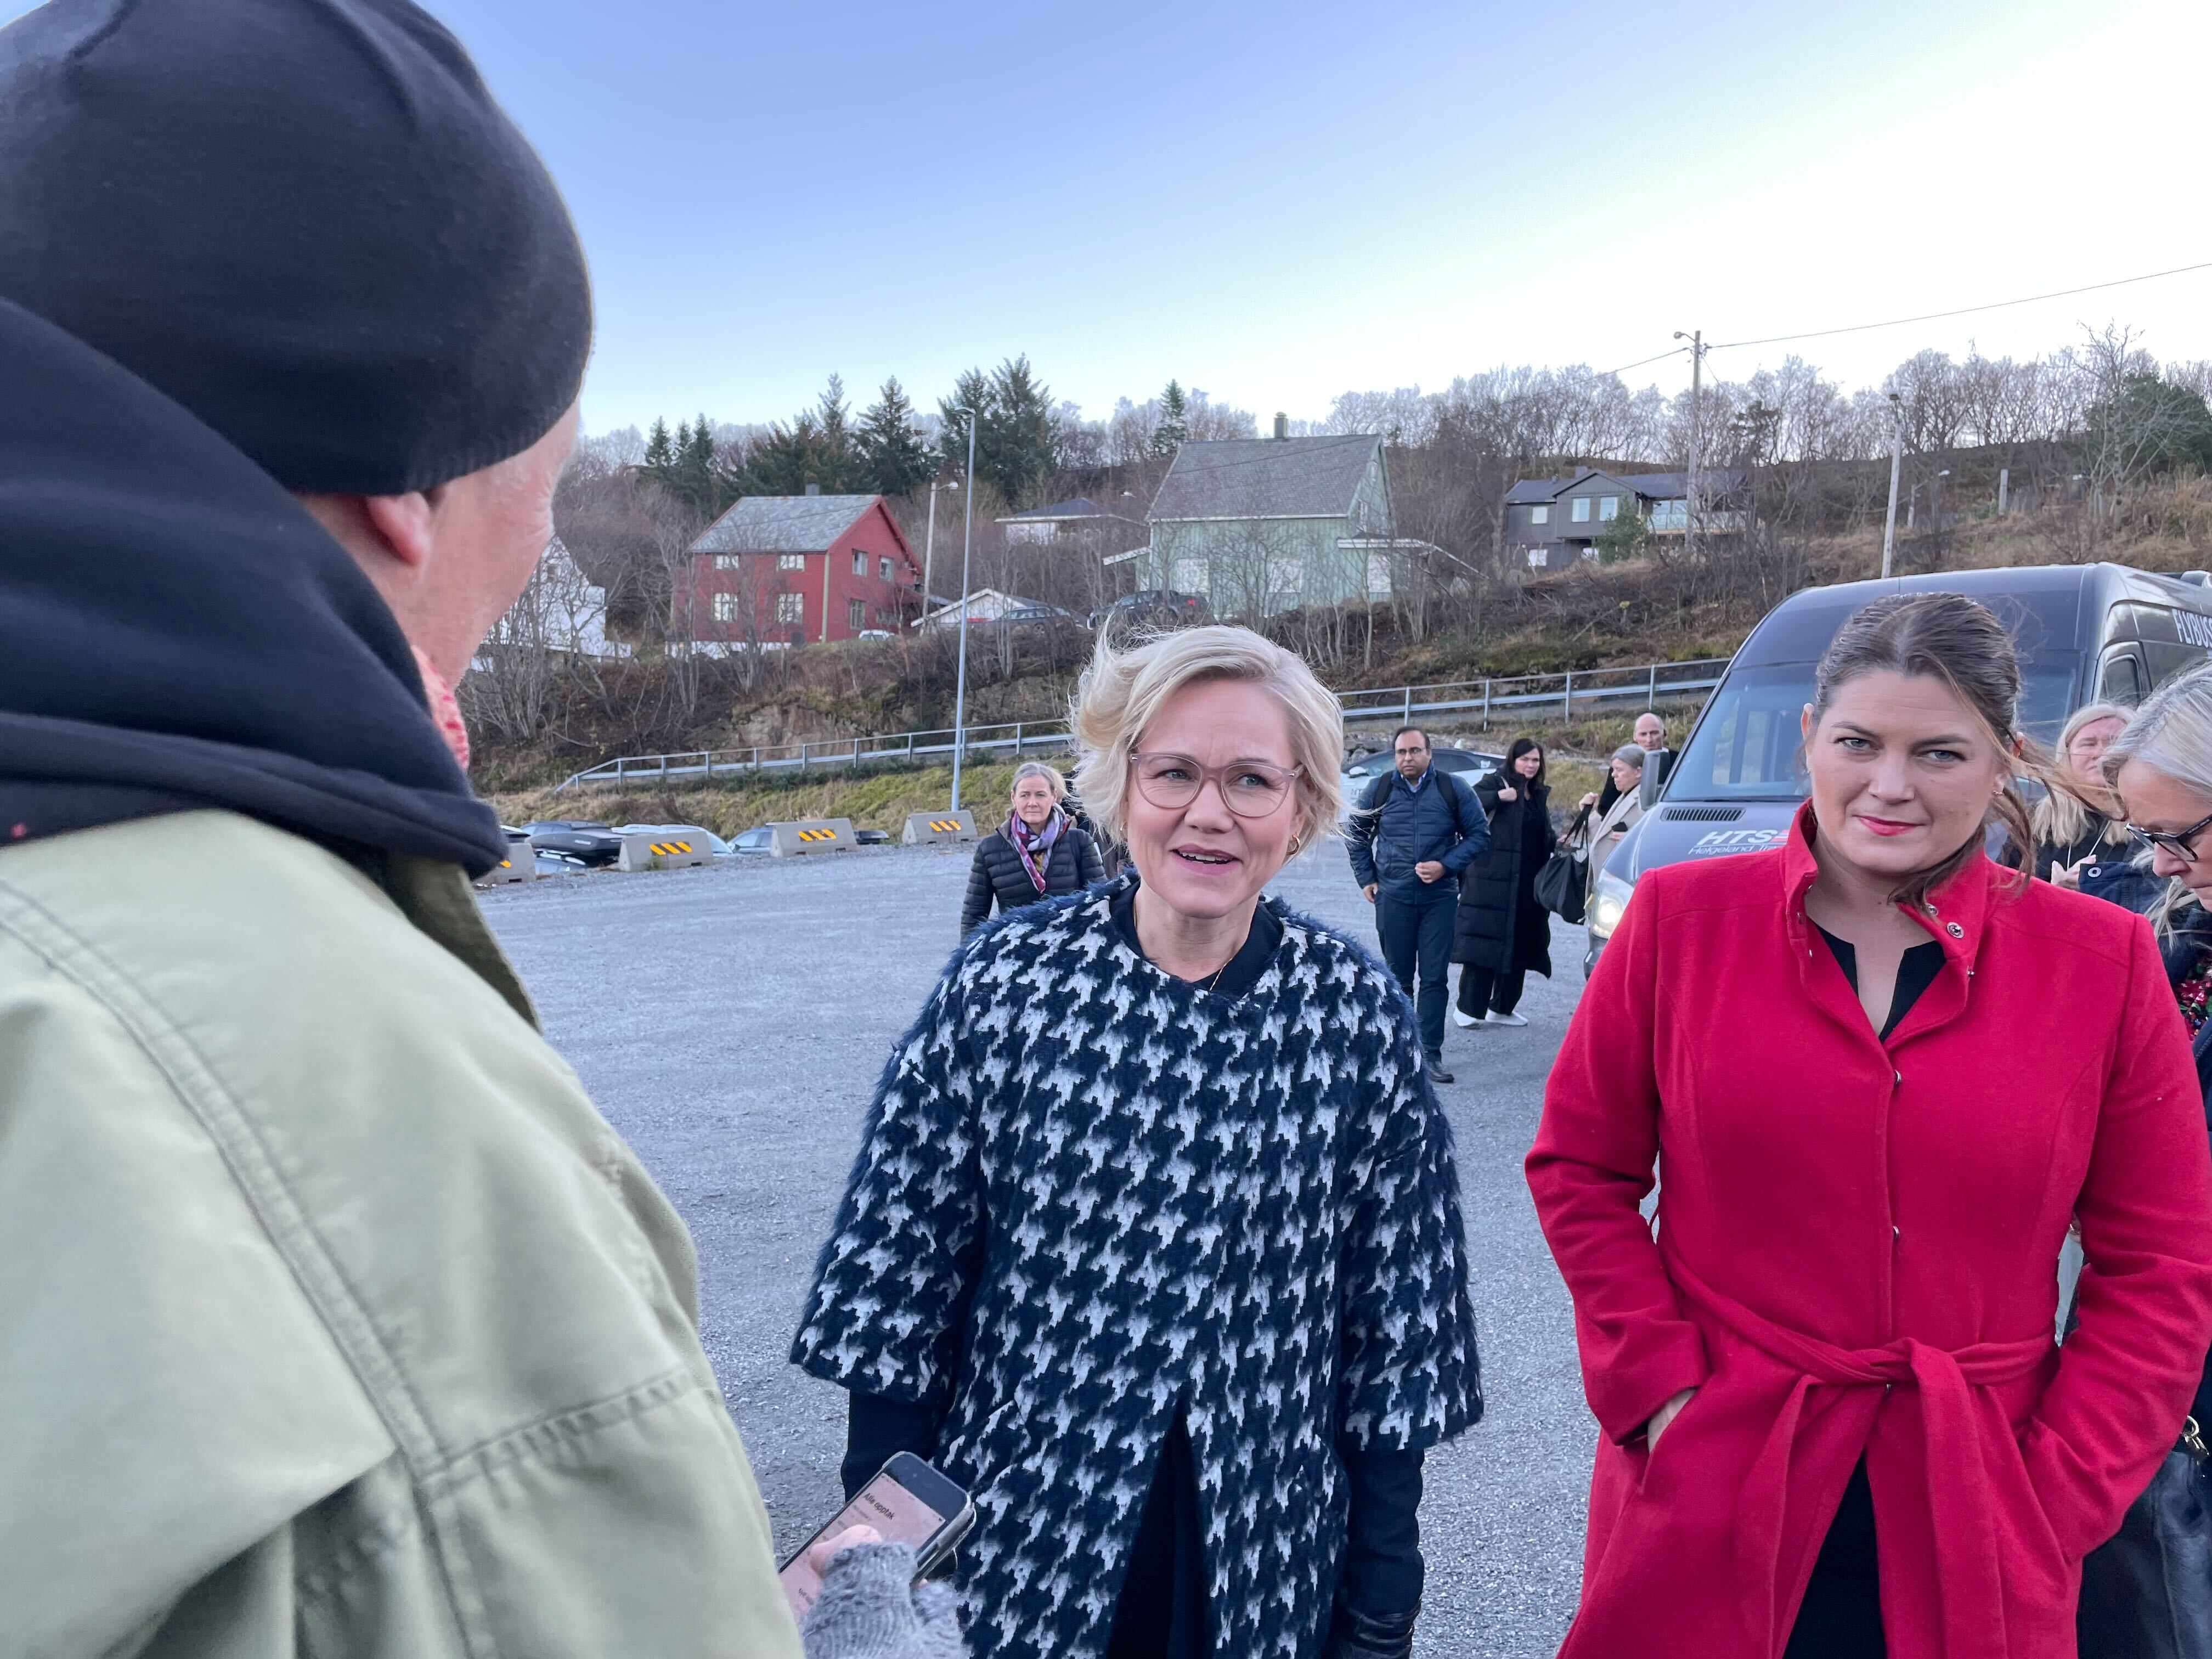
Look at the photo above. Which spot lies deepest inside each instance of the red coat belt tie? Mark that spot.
(1961, 1501)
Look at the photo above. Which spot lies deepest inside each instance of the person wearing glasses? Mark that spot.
(1416, 831)
(2159, 771)
(1834, 1423)
(1154, 1243)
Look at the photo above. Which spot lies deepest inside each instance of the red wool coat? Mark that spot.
(1856, 1250)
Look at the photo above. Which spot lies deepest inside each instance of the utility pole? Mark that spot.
(1697, 339)
(929, 549)
(967, 548)
(1896, 461)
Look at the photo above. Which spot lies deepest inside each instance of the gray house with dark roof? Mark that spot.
(1265, 525)
(1551, 522)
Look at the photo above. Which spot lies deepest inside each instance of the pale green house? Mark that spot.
(1260, 525)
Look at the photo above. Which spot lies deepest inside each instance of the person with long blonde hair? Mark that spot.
(2077, 821)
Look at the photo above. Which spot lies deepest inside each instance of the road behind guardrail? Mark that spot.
(1648, 682)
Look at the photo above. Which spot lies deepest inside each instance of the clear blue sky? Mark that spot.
(1278, 202)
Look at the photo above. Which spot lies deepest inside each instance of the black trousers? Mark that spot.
(1840, 1617)
(1417, 942)
(1483, 990)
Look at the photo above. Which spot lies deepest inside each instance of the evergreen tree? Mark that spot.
(971, 391)
(659, 449)
(1017, 431)
(1174, 429)
(892, 451)
(786, 460)
(694, 477)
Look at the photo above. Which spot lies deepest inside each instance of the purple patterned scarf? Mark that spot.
(1034, 846)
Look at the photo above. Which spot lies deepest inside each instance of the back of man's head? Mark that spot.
(306, 220)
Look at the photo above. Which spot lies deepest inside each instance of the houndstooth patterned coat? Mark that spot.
(1090, 1193)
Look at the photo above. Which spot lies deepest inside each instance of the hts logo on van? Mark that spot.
(1714, 842)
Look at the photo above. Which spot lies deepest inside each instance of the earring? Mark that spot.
(1296, 843)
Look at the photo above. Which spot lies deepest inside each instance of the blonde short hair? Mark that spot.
(1124, 691)
(1029, 769)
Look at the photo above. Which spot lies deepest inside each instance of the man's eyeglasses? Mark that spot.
(1250, 789)
(2175, 841)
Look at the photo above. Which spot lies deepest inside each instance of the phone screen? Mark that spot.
(883, 1503)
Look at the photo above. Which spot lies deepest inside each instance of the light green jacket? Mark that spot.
(334, 1319)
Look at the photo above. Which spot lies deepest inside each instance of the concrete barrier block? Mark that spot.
(520, 863)
(933, 828)
(812, 835)
(672, 848)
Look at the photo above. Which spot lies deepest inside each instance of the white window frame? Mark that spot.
(1579, 513)
(791, 562)
(1378, 576)
(883, 568)
(791, 608)
(725, 607)
(728, 560)
(1540, 514)
(856, 614)
(1608, 508)
(859, 562)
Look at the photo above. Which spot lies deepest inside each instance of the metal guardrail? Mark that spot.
(1404, 704)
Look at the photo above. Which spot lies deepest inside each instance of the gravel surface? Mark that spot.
(732, 1022)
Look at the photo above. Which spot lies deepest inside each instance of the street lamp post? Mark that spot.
(967, 548)
(1896, 460)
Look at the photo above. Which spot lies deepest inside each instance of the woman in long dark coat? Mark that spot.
(1502, 934)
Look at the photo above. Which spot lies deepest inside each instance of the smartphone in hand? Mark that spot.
(908, 1503)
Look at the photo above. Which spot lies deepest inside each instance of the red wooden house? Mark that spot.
(798, 570)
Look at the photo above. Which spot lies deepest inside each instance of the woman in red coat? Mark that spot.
(1878, 1075)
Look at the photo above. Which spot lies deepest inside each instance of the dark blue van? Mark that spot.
(2096, 632)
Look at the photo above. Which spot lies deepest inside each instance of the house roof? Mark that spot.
(783, 524)
(1081, 508)
(1266, 478)
(1534, 491)
(1652, 486)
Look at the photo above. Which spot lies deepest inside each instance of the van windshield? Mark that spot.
(1746, 747)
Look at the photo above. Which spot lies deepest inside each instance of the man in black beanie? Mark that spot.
(337, 1319)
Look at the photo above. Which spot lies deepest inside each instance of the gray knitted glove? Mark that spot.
(869, 1609)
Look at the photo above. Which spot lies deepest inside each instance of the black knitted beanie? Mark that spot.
(306, 221)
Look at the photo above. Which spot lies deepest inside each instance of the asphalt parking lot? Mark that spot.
(732, 1021)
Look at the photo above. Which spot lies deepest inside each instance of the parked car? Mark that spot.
(586, 841)
(1467, 763)
(758, 838)
(1154, 607)
(715, 844)
(2097, 632)
(871, 837)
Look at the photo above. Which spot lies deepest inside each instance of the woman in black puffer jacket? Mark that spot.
(1037, 854)
(1502, 934)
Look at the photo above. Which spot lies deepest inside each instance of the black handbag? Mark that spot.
(2146, 1592)
(1562, 885)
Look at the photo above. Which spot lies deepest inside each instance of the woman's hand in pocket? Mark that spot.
(1665, 1415)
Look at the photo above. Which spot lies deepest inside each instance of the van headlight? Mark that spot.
(1609, 903)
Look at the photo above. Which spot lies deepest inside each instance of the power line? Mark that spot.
(1963, 311)
(1624, 367)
